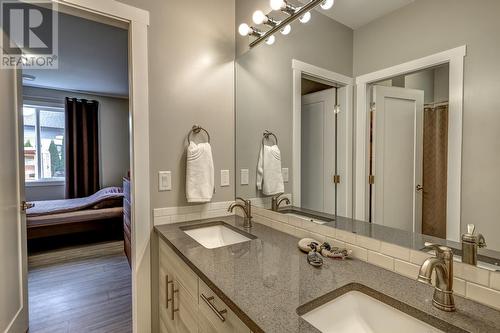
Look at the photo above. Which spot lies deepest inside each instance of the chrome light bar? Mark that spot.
(293, 16)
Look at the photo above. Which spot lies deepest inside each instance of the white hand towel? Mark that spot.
(269, 176)
(199, 173)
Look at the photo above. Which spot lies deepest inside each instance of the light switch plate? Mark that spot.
(284, 172)
(165, 181)
(244, 176)
(224, 178)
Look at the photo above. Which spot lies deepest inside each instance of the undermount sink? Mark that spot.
(217, 234)
(356, 312)
(310, 219)
(306, 215)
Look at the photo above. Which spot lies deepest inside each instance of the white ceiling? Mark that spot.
(93, 57)
(356, 13)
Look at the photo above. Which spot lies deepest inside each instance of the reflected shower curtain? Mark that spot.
(435, 166)
(82, 148)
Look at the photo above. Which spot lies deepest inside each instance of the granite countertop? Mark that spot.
(395, 236)
(265, 280)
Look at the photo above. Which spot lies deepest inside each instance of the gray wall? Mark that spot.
(191, 81)
(114, 143)
(264, 83)
(426, 27)
(434, 82)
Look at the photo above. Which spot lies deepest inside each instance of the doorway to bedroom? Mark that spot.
(76, 137)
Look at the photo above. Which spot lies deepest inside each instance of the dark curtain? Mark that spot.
(435, 170)
(82, 148)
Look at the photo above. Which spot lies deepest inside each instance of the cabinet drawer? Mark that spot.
(225, 321)
(182, 272)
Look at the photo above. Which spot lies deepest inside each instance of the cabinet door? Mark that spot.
(185, 311)
(166, 278)
(178, 306)
(221, 318)
(205, 326)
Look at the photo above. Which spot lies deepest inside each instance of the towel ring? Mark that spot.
(196, 129)
(267, 134)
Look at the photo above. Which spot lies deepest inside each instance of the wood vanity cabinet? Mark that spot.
(187, 304)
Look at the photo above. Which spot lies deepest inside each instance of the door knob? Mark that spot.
(419, 188)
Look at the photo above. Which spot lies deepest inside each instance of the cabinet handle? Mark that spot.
(219, 313)
(167, 298)
(174, 291)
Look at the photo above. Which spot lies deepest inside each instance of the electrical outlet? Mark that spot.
(224, 178)
(165, 181)
(244, 176)
(284, 172)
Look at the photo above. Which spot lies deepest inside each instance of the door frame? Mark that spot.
(345, 98)
(138, 22)
(455, 58)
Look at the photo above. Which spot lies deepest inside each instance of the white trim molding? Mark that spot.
(345, 97)
(138, 21)
(455, 59)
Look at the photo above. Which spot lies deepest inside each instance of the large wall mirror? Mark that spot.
(382, 118)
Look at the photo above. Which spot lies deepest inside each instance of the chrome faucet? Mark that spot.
(470, 243)
(247, 209)
(276, 202)
(442, 263)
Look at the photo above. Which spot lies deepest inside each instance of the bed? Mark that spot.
(100, 211)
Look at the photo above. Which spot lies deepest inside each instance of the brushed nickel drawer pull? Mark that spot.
(174, 291)
(219, 313)
(167, 298)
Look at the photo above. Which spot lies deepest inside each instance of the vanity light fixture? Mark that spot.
(286, 30)
(327, 4)
(270, 40)
(246, 30)
(260, 18)
(305, 18)
(303, 14)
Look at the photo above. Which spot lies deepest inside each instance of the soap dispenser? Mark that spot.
(470, 243)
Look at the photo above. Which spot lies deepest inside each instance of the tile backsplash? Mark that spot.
(478, 284)
(475, 283)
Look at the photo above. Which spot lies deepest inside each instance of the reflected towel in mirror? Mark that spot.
(269, 176)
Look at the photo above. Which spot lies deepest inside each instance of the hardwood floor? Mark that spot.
(80, 289)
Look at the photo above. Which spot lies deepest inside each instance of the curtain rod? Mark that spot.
(436, 104)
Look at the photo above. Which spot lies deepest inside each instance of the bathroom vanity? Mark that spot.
(262, 283)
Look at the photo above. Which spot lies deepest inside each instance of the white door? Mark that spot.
(397, 157)
(13, 273)
(318, 151)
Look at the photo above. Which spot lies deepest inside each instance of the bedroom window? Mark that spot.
(43, 143)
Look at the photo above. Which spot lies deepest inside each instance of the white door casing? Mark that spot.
(345, 88)
(138, 22)
(318, 151)
(455, 58)
(13, 253)
(397, 157)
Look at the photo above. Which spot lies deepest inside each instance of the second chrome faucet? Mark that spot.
(442, 264)
(276, 202)
(246, 206)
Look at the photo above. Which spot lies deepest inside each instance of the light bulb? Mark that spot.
(327, 4)
(286, 30)
(259, 17)
(277, 4)
(270, 40)
(305, 18)
(244, 29)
